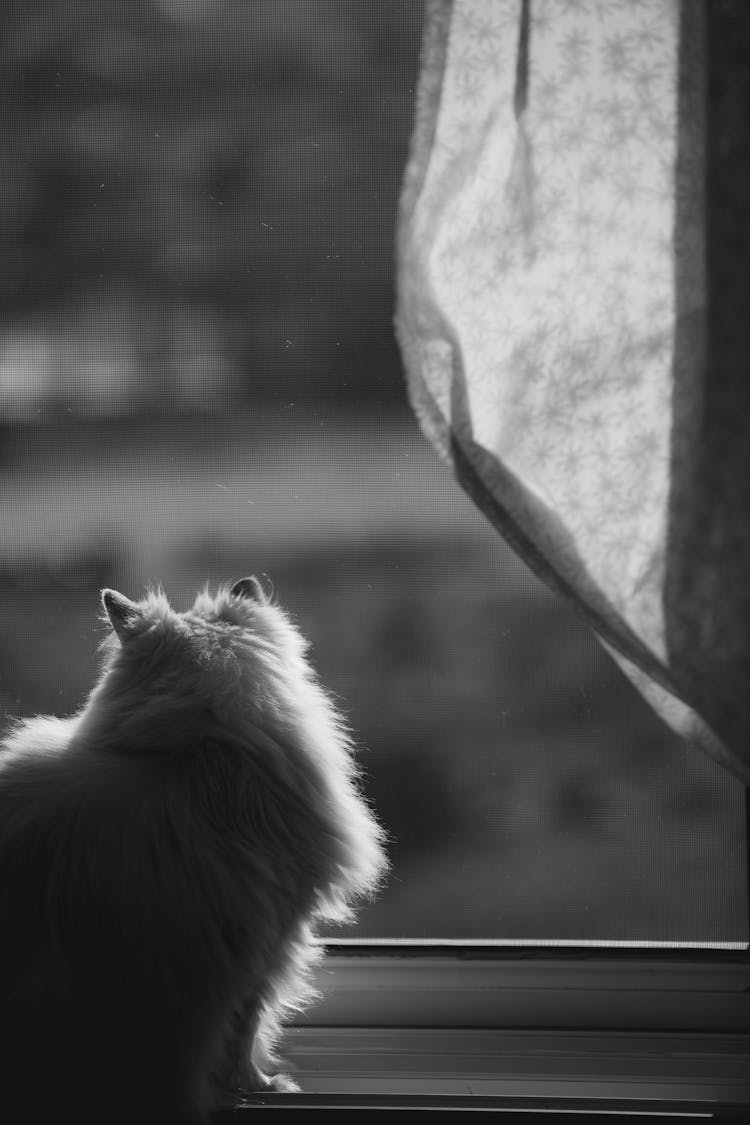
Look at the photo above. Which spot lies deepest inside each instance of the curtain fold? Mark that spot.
(573, 312)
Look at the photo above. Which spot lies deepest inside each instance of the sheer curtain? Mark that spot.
(574, 315)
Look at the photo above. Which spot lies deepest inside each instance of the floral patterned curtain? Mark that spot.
(574, 316)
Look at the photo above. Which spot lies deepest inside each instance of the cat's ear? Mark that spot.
(124, 615)
(248, 588)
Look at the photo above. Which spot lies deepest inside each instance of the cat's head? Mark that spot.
(235, 649)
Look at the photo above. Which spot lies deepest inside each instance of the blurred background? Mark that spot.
(199, 380)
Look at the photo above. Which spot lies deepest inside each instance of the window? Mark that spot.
(198, 378)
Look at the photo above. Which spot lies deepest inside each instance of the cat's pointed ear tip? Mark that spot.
(109, 595)
(112, 600)
(122, 613)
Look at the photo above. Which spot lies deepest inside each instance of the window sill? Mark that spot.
(526, 1032)
(578, 989)
(557, 1065)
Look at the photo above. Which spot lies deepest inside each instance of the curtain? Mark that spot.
(573, 313)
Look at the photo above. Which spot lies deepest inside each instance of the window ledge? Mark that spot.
(521, 1065)
(525, 1033)
(706, 992)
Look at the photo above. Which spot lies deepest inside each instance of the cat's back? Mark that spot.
(40, 768)
(34, 756)
(44, 735)
(64, 809)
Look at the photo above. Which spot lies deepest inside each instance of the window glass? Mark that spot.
(198, 379)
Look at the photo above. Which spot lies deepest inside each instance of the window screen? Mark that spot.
(198, 380)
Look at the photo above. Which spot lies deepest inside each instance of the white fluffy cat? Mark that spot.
(164, 856)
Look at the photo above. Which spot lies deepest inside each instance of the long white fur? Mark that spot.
(165, 855)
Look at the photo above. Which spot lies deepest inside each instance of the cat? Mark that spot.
(165, 856)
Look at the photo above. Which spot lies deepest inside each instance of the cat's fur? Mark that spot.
(164, 856)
